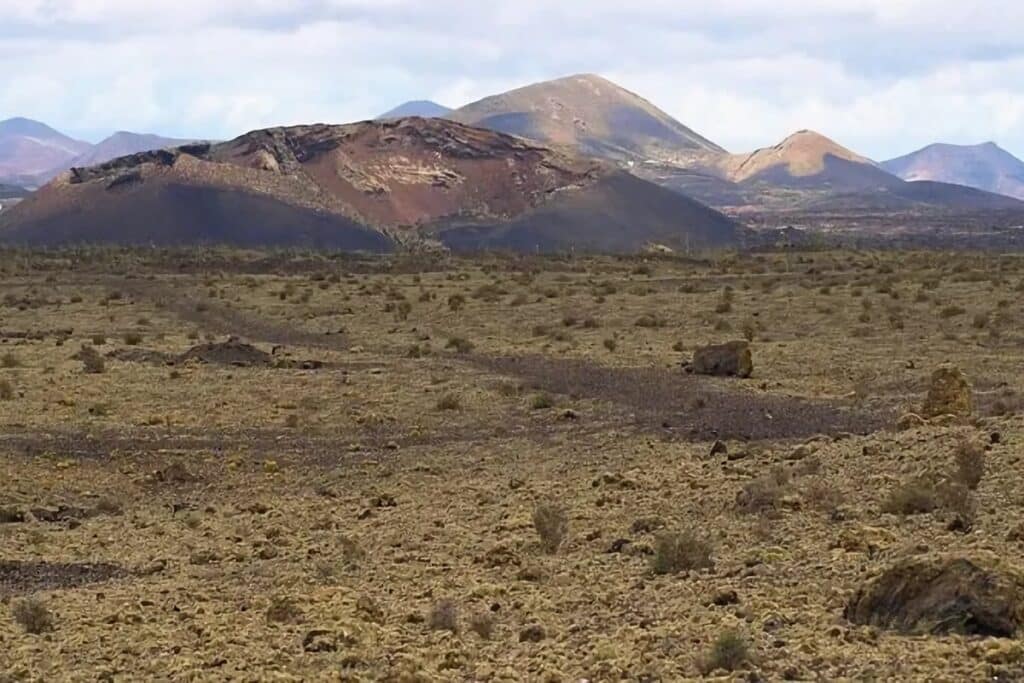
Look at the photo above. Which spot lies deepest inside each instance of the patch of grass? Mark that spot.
(6, 390)
(729, 652)
(92, 362)
(541, 401)
(459, 345)
(449, 402)
(456, 302)
(970, 464)
(649, 320)
(482, 624)
(132, 338)
(32, 615)
(551, 522)
(444, 616)
(676, 552)
(9, 360)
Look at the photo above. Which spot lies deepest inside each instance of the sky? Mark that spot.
(883, 77)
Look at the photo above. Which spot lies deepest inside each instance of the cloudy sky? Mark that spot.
(881, 76)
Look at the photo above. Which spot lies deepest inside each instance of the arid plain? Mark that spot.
(414, 468)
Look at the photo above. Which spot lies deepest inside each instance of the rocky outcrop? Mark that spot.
(949, 393)
(732, 359)
(942, 595)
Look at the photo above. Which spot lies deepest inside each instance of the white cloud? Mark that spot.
(881, 76)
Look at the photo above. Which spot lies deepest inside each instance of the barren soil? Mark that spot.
(353, 498)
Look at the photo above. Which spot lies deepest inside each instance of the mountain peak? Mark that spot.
(804, 153)
(984, 166)
(423, 108)
(589, 113)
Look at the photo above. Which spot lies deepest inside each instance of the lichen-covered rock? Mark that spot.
(941, 595)
(949, 393)
(732, 359)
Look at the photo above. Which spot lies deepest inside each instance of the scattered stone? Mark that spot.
(910, 421)
(154, 567)
(645, 525)
(801, 452)
(233, 352)
(532, 634)
(949, 393)
(203, 557)
(732, 359)
(865, 539)
(383, 500)
(619, 545)
(175, 473)
(530, 573)
(319, 640)
(725, 597)
(10, 515)
(940, 595)
(369, 608)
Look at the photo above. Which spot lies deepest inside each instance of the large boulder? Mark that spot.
(727, 360)
(940, 595)
(949, 393)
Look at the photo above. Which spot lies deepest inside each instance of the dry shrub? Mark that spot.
(824, 495)
(650, 320)
(6, 390)
(927, 494)
(459, 345)
(680, 551)
(444, 616)
(92, 361)
(915, 497)
(764, 493)
(482, 624)
(552, 525)
(32, 615)
(449, 402)
(283, 611)
(970, 464)
(541, 401)
(9, 360)
(729, 652)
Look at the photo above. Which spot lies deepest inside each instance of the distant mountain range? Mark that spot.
(573, 163)
(810, 172)
(367, 186)
(986, 167)
(31, 153)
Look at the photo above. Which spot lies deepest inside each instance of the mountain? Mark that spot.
(12, 192)
(985, 167)
(365, 186)
(590, 114)
(424, 108)
(807, 160)
(808, 171)
(29, 150)
(123, 144)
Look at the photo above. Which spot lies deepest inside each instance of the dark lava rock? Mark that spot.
(232, 352)
(532, 634)
(9, 515)
(940, 595)
(724, 360)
